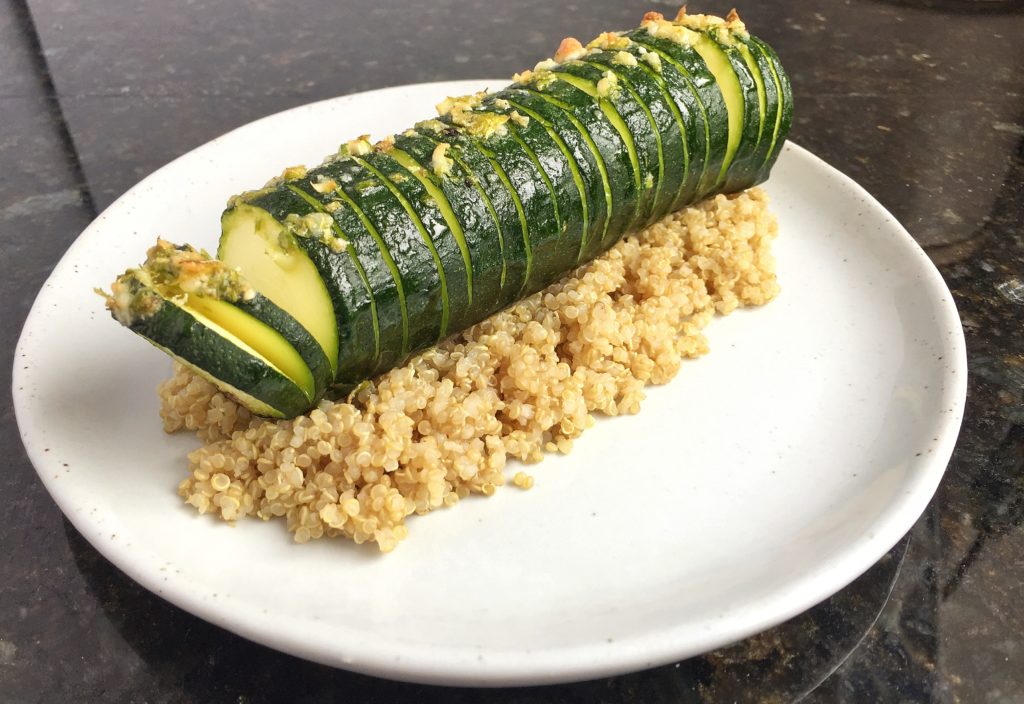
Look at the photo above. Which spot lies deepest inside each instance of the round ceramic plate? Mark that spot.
(765, 477)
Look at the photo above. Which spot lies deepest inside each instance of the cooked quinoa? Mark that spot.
(526, 381)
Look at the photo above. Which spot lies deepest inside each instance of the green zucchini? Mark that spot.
(666, 129)
(608, 141)
(346, 301)
(689, 113)
(558, 248)
(207, 317)
(521, 173)
(466, 206)
(629, 117)
(492, 183)
(590, 169)
(744, 168)
(404, 243)
(784, 116)
(386, 249)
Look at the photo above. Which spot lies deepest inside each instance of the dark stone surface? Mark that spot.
(921, 102)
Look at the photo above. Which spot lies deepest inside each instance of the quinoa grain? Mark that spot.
(526, 381)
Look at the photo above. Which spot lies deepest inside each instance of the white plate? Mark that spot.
(764, 478)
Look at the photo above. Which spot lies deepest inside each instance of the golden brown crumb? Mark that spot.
(524, 382)
(569, 49)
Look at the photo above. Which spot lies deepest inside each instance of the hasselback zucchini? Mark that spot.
(329, 276)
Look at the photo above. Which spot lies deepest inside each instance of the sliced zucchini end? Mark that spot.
(172, 301)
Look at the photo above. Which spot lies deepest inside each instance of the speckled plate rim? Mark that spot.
(463, 667)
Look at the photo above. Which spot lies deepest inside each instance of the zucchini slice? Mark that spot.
(269, 257)
(517, 167)
(372, 328)
(608, 141)
(492, 182)
(402, 242)
(784, 116)
(628, 117)
(691, 70)
(241, 342)
(557, 166)
(666, 123)
(467, 208)
(554, 242)
(586, 164)
(743, 170)
(335, 255)
(728, 84)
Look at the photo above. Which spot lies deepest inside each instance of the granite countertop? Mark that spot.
(921, 102)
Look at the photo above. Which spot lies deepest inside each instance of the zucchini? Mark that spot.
(492, 183)
(385, 249)
(208, 318)
(467, 209)
(559, 248)
(401, 240)
(521, 172)
(784, 116)
(608, 142)
(744, 168)
(666, 129)
(589, 165)
(287, 277)
(630, 119)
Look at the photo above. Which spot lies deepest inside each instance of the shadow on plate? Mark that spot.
(196, 661)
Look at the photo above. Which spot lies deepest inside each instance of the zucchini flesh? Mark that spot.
(743, 170)
(252, 242)
(732, 94)
(385, 249)
(262, 338)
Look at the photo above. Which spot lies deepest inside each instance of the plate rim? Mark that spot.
(574, 663)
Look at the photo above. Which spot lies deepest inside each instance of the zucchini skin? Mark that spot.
(588, 162)
(561, 181)
(487, 177)
(264, 310)
(624, 212)
(668, 133)
(744, 170)
(174, 329)
(351, 295)
(472, 209)
(424, 300)
(639, 135)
